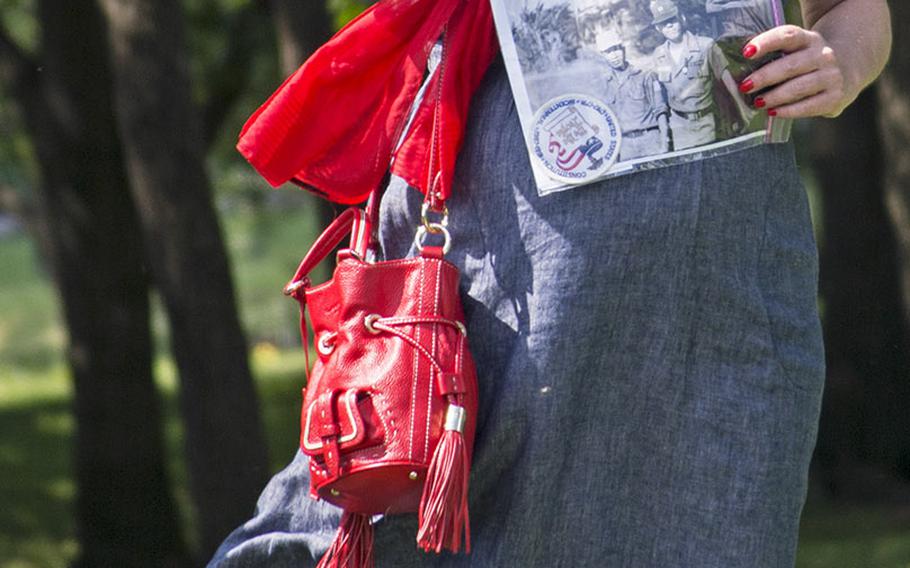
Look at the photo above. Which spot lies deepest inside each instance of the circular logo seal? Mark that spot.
(576, 138)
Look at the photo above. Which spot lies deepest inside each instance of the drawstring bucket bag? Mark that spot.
(389, 410)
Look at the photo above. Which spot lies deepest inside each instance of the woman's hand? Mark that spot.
(808, 80)
(824, 66)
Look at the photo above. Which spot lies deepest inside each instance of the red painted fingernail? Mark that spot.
(749, 50)
(746, 86)
(772, 112)
(760, 103)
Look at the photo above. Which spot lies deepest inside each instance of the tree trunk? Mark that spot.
(225, 448)
(125, 515)
(248, 29)
(301, 28)
(864, 332)
(894, 122)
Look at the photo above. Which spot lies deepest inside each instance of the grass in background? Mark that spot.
(36, 426)
(37, 490)
(841, 537)
(30, 332)
(36, 484)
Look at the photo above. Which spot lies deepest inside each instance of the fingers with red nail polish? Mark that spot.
(804, 77)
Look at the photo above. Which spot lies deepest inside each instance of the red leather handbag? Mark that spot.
(390, 406)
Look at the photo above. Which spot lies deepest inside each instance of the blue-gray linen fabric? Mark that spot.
(650, 366)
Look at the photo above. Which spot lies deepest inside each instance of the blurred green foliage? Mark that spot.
(18, 19)
(31, 333)
(346, 10)
(36, 424)
(840, 537)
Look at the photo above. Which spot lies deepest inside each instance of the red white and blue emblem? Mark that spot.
(576, 138)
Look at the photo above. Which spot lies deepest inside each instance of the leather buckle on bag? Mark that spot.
(350, 400)
(338, 422)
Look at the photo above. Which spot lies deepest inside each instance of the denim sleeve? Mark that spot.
(288, 529)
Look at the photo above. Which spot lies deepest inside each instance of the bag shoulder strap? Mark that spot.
(354, 221)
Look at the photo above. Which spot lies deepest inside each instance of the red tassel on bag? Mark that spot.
(443, 515)
(353, 544)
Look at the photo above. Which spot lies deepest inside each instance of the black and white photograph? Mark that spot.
(667, 71)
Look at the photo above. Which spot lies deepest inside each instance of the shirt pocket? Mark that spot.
(697, 67)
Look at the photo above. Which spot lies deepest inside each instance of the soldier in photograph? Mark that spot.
(688, 66)
(636, 97)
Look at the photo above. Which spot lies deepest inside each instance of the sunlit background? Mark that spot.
(235, 53)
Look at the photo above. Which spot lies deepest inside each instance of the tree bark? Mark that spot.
(225, 448)
(301, 28)
(247, 30)
(894, 122)
(865, 335)
(125, 515)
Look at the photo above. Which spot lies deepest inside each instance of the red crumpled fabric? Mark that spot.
(333, 125)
